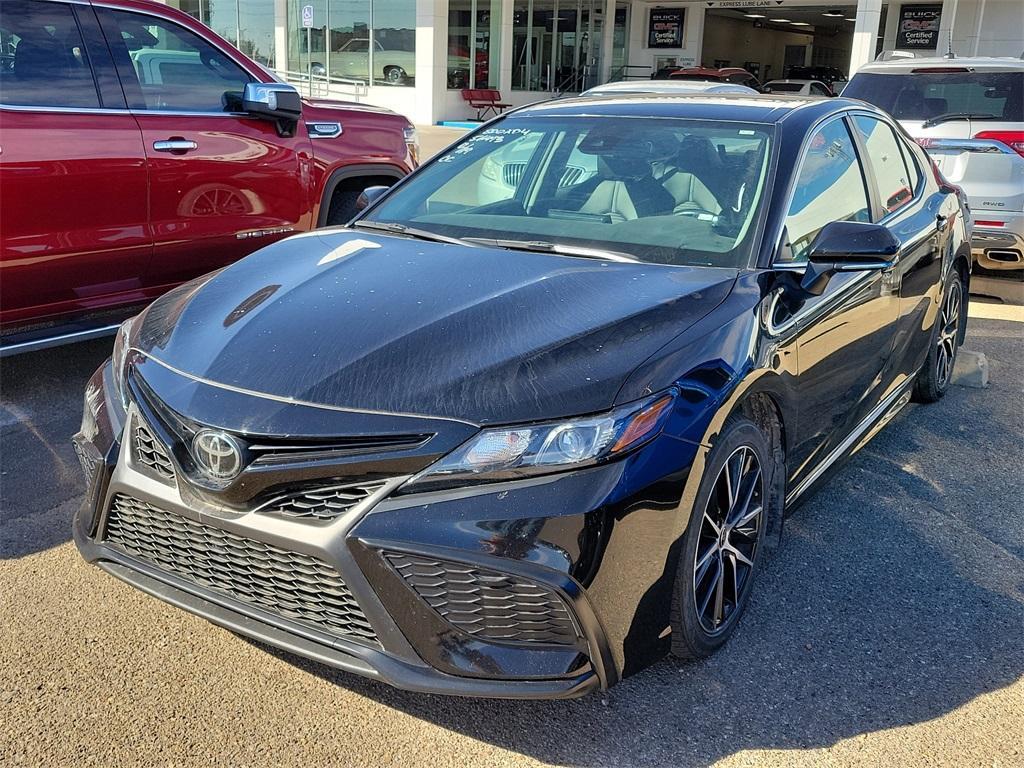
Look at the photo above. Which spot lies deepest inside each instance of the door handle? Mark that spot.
(940, 221)
(175, 144)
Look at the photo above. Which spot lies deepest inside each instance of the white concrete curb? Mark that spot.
(971, 369)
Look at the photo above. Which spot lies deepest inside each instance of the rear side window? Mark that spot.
(924, 95)
(830, 187)
(43, 61)
(176, 69)
(892, 178)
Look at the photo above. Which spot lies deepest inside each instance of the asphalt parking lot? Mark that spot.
(888, 629)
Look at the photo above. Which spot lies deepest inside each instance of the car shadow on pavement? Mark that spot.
(40, 409)
(883, 607)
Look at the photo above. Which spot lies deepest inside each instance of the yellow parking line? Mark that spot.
(995, 312)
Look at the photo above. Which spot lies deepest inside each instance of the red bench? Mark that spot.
(484, 100)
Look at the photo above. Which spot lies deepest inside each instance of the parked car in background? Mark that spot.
(968, 113)
(668, 86)
(798, 87)
(393, 67)
(141, 150)
(734, 75)
(525, 447)
(833, 77)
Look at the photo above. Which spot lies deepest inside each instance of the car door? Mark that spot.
(921, 225)
(75, 233)
(222, 183)
(844, 337)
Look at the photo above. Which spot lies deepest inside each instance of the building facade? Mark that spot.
(416, 56)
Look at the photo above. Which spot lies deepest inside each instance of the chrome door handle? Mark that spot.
(174, 145)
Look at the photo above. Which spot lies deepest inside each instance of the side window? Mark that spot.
(817, 90)
(43, 62)
(891, 175)
(177, 70)
(830, 188)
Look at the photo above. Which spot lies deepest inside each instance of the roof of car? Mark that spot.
(983, 63)
(668, 86)
(763, 108)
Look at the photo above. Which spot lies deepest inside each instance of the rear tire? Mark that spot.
(724, 540)
(935, 377)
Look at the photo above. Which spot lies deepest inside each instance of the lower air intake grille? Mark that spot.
(321, 503)
(486, 603)
(289, 584)
(150, 454)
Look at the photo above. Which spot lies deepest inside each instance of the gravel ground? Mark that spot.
(888, 630)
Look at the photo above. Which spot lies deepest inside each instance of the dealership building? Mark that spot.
(416, 56)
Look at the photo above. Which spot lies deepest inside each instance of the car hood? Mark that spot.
(390, 324)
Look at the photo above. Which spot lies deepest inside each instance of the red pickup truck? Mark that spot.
(138, 150)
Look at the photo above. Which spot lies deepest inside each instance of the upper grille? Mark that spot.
(512, 173)
(321, 503)
(486, 603)
(290, 584)
(149, 453)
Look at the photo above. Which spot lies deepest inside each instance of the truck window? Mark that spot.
(43, 61)
(176, 69)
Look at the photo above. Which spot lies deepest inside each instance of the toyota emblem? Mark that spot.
(217, 454)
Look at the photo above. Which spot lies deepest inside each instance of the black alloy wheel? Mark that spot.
(728, 539)
(949, 332)
(936, 375)
(723, 542)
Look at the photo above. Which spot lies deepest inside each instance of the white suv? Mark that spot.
(968, 113)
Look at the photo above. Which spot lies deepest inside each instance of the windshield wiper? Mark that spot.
(395, 228)
(956, 116)
(542, 246)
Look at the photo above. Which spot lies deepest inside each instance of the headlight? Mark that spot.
(507, 453)
(412, 142)
(491, 169)
(119, 359)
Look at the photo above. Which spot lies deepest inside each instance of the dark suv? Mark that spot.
(138, 150)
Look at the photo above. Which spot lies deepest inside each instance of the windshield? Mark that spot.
(924, 96)
(667, 191)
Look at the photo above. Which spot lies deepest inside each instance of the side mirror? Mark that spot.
(274, 101)
(848, 246)
(369, 196)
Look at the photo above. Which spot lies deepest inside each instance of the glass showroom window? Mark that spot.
(474, 43)
(557, 44)
(350, 39)
(246, 24)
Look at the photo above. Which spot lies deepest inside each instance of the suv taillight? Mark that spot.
(1013, 139)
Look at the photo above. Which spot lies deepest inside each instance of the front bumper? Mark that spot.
(501, 529)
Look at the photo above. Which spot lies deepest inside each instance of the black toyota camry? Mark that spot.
(535, 418)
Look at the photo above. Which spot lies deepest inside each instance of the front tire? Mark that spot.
(723, 542)
(937, 373)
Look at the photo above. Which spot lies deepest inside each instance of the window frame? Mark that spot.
(871, 196)
(96, 60)
(885, 216)
(126, 70)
